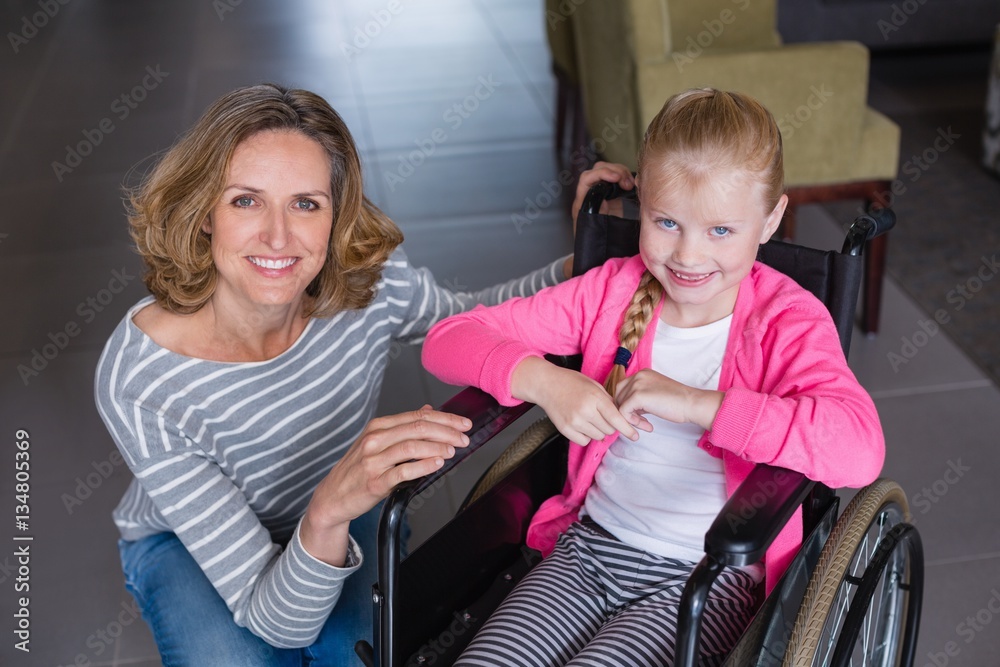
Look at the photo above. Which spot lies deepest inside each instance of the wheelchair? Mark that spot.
(851, 596)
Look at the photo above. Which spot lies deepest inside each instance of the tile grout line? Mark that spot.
(963, 559)
(463, 221)
(932, 389)
(463, 149)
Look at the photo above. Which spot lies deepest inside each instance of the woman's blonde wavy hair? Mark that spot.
(697, 134)
(167, 209)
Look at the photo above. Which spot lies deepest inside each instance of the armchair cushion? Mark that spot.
(727, 24)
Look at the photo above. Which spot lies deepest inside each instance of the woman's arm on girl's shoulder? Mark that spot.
(419, 300)
(804, 410)
(483, 346)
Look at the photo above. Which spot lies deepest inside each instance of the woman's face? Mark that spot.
(271, 227)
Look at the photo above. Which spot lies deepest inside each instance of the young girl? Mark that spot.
(711, 363)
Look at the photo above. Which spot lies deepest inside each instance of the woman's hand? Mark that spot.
(602, 171)
(577, 406)
(390, 450)
(649, 392)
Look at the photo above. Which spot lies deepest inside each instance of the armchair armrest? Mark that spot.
(754, 515)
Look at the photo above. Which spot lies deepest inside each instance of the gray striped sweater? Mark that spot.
(227, 455)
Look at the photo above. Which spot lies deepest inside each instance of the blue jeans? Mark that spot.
(192, 625)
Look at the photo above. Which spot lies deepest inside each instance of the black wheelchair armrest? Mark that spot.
(740, 535)
(754, 515)
(488, 419)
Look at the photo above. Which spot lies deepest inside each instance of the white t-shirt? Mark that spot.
(662, 492)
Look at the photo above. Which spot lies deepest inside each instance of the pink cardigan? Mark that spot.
(790, 398)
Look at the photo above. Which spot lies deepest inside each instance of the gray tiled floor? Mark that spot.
(64, 239)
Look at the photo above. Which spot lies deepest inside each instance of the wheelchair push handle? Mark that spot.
(866, 227)
(884, 220)
(599, 193)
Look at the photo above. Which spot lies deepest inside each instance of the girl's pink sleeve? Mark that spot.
(810, 414)
(482, 347)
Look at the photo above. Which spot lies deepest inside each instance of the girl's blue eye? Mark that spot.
(667, 224)
(720, 231)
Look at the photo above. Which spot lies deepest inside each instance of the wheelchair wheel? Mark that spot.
(511, 458)
(862, 605)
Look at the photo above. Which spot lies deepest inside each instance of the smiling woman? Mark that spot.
(269, 234)
(242, 393)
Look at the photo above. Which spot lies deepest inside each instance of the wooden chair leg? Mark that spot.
(874, 271)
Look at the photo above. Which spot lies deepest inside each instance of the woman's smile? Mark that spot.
(274, 268)
(272, 264)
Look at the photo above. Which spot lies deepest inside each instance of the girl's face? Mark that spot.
(700, 241)
(271, 227)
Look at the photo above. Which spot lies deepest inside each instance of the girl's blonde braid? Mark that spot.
(637, 317)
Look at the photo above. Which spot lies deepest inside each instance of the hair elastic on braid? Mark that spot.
(622, 356)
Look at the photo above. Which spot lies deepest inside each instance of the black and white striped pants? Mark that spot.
(597, 601)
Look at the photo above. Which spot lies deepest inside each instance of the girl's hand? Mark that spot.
(577, 406)
(602, 171)
(390, 450)
(649, 392)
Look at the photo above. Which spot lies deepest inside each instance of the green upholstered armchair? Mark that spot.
(631, 55)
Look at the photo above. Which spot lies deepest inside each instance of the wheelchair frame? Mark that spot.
(781, 632)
